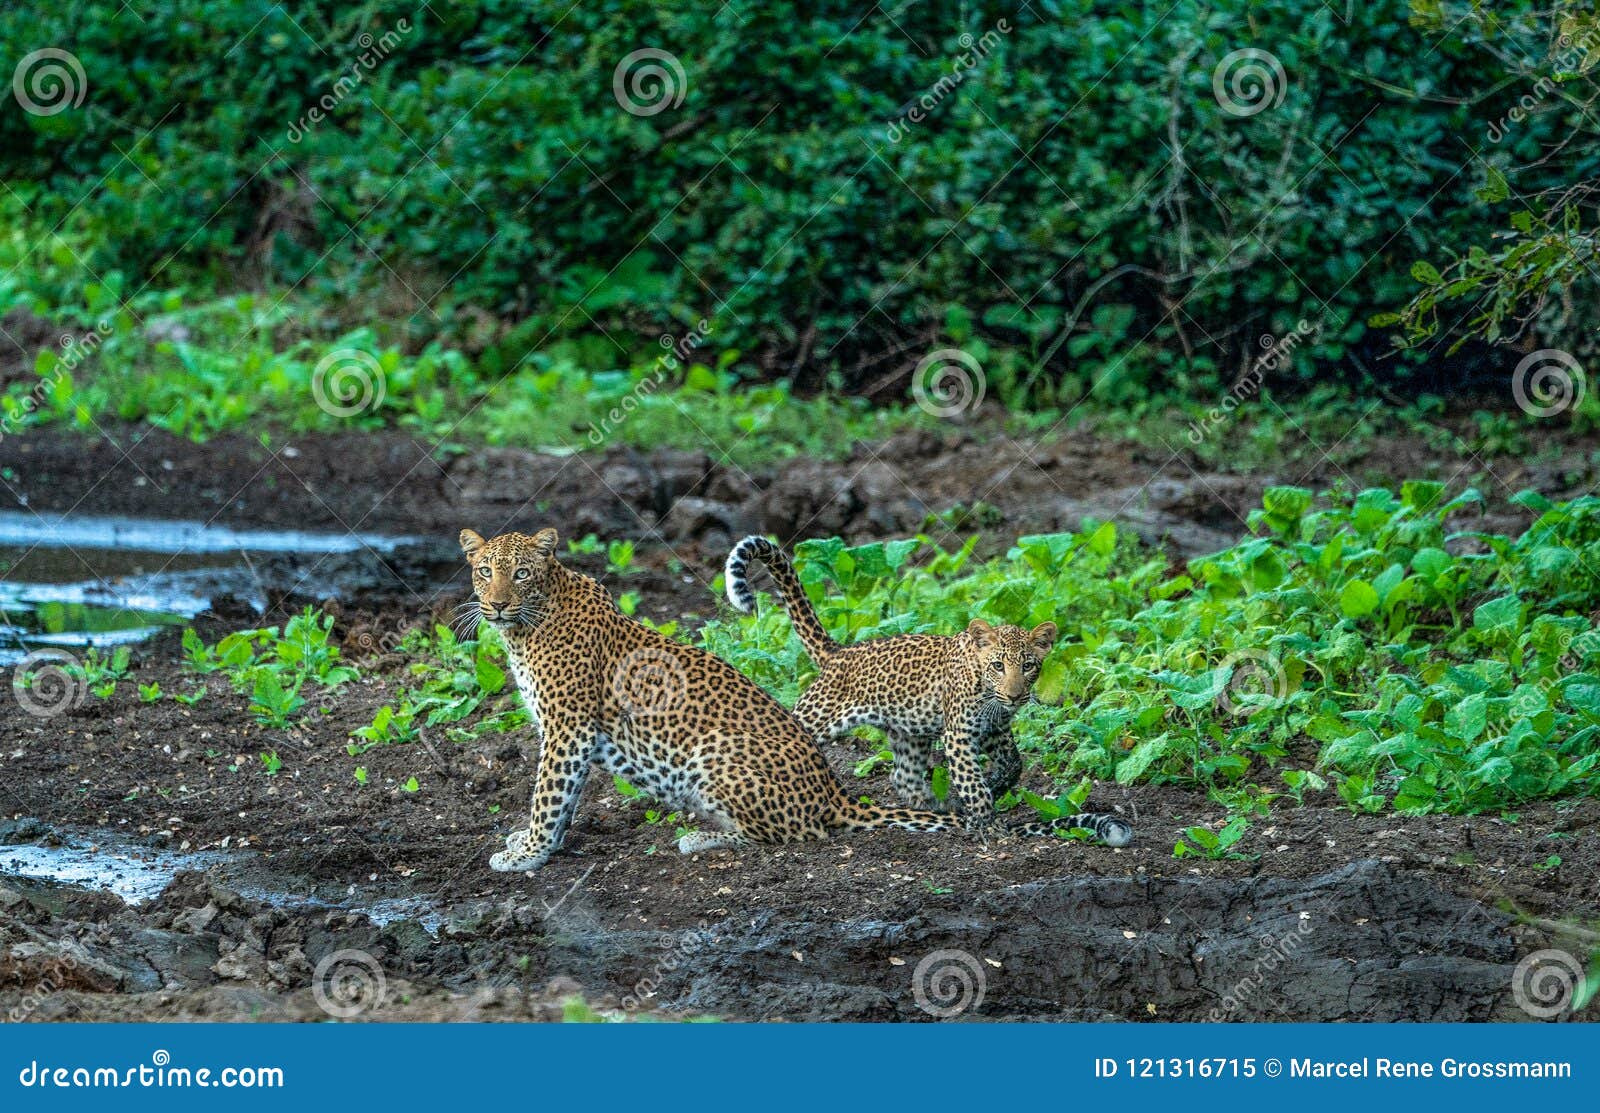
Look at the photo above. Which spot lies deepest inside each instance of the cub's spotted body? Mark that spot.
(920, 689)
(676, 722)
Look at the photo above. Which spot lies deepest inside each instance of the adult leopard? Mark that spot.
(675, 721)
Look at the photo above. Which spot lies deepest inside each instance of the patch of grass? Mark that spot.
(448, 681)
(273, 666)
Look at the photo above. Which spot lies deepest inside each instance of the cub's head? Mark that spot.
(510, 575)
(1009, 657)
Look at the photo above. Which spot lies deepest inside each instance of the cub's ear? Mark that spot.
(544, 543)
(471, 542)
(981, 631)
(1043, 636)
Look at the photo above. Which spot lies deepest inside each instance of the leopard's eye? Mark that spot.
(998, 666)
(485, 571)
(523, 573)
(1032, 666)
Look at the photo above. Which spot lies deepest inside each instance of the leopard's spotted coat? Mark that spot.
(678, 723)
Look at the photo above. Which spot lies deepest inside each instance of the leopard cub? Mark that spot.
(920, 689)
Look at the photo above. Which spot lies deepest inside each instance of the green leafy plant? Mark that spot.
(1212, 844)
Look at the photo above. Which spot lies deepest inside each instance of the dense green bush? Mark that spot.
(1079, 207)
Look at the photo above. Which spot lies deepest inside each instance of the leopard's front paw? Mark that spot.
(518, 856)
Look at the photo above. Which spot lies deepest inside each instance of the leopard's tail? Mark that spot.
(804, 617)
(852, 815)
(1112, 830)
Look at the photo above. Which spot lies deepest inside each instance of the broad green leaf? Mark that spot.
(1358, 599)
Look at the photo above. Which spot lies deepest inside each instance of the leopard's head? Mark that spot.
(510, 576)
(1008, 659)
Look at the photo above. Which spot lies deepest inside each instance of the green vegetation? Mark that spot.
(199, 365)
(1505, 285)
(1361, 645)
(273, 667)
(453, 679)
(480, 211)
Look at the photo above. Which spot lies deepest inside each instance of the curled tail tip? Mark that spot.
(739, 593)
(1110, 830)
(734, 572)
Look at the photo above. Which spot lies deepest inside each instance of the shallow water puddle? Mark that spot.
(135, 876)
(138, 874)
(104, 581)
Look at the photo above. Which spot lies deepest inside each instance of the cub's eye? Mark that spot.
(523, 573)
(1032, 666)
(485, 571)
(998, 666)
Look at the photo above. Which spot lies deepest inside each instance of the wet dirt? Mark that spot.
(1330, 915)
(693, 503)
(1333, 915)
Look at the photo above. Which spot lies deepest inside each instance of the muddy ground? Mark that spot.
(1331, 916)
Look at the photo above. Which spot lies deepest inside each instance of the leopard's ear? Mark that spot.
(544, 543)
(1043, 636)
(471, 542)
(981, 631)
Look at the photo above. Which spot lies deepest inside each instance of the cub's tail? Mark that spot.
(804, 617)
(1112, 830)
